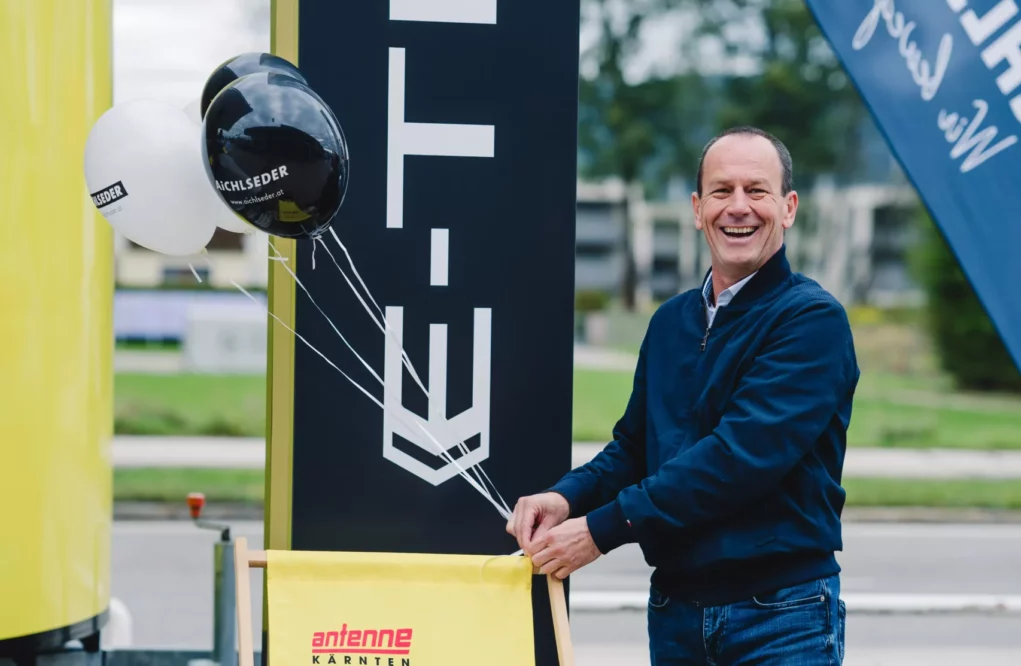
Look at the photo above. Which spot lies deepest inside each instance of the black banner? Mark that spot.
(462, 126)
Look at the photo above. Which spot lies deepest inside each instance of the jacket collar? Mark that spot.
(771, 275)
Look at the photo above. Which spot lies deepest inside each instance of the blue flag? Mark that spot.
(943, 81)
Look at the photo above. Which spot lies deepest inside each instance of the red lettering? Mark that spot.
(403, 638)
(392, 641)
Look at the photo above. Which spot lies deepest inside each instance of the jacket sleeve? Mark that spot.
(620, 464)
(778, 410)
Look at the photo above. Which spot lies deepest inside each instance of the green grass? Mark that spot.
(149, 345)
(173, 485)
(190, 404)
(889, 410)
(949, 493)
(600, 398)
(246, 485)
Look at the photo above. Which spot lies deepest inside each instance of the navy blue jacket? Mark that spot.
(726, 464)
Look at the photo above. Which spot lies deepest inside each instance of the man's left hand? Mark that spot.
(565, 548)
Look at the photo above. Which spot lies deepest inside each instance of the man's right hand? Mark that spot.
(534, 515)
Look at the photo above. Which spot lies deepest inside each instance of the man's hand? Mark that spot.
(565, 549)
(534, 515)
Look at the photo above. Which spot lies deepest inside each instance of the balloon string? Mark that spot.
(407, 361)
(480, 473)
(446, 456)
(205, 255)
(333, 232)
(313, 254)
(404, 356)
(385, 329)
(283, 261)
(503, 512)
(300, 337)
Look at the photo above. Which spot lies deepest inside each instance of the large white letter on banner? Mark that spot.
(437, 434)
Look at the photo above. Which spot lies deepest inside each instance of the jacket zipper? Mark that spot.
(705, 315)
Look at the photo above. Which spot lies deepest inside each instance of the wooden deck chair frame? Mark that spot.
(245, 559)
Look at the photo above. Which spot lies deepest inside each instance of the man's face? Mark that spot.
(742, 210)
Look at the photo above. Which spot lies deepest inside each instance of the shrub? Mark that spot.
(966, 341)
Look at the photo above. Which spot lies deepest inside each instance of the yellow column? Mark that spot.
(56, 332)
(280, 354)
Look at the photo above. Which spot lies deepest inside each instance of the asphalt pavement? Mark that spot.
(162, 572)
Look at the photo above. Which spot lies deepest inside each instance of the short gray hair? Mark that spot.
(786, 163)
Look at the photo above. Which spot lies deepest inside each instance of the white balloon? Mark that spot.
(140, 168)
(228, 220)
(225, 218)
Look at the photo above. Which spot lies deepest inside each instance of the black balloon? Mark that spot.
(243, 65)
(276, 155)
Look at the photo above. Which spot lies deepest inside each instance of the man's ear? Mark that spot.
(695, 203)
(790, 209)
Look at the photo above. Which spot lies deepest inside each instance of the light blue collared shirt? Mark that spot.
(725, 296)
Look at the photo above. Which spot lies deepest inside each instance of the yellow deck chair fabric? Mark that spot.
(336, 608)
(396, 609)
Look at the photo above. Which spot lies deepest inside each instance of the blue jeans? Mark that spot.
(802, 625)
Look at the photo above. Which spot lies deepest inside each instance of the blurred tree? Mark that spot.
(799, 91)
(969, 347)
(642, 132)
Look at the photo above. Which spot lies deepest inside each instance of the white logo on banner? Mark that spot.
(448, 433)
(446, 140)
(963, 132)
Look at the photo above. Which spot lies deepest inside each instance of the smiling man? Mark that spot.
(725, 467)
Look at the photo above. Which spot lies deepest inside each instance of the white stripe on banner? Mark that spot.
(439, 257)
(444, 11)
